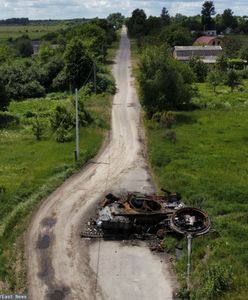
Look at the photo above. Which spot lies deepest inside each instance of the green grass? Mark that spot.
(34, 31)
(223, 98)
(208, 164)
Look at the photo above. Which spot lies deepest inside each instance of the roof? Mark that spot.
(205, 39)
(193, 48)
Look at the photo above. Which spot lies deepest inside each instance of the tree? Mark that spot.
(199, 68)
(37, 128)
(4, 100)
(78, 64)
(162, 85)
(153, 25)
(24, 46)
(214, 78)
(93, 38)
(244, 52)
(176, 35)
(165, 17)
(232, 79)
(222, 63)
(45, 52)
(231, 46)
(208, 10)
(228, 19)
(137, 23)
(116, 19)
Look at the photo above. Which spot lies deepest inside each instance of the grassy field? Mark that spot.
(34, 31)
(208, 164)
(223, 98)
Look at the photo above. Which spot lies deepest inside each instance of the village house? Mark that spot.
(208, 54)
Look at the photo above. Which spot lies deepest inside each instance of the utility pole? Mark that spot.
(77, 135)
(189, 238)
(94, 71)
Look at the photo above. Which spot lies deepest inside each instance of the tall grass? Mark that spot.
(208, 164)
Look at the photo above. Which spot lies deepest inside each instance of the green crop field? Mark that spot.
(33, 31)
(207, 162)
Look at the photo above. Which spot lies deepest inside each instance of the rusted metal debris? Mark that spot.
(146, 215)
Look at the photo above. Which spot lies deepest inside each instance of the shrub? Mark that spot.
(4, 100)
(29, 114)
(217, 279)
(199, 68)
(63, 135)
(37, 128)
(214, 79)
(105, 83)
(61, 118)
(60, 82)
(167, 119)
(171, 136)
(8, 120)
(33, 89)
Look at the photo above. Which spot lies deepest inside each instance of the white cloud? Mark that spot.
(43, 9)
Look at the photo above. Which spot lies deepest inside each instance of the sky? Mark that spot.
(67, 9)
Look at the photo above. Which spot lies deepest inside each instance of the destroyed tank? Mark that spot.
(149, 214)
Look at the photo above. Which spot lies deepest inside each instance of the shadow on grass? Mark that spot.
(110, 62)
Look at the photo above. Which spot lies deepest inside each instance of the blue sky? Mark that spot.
(66, 9)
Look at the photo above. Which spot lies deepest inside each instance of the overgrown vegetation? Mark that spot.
(207, 163)
(164, 83)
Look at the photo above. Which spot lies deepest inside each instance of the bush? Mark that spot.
(60, 82)
(37, 128)
(63, 135)
(167, 119)
(29, 114)
(24, 47)
(199, 68)
(4, 100)
(61, 118)
(105, 83)
(32, 89)
(8, 120)
(171, 136)
(217, 279)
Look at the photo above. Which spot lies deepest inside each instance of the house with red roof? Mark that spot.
(208, 41)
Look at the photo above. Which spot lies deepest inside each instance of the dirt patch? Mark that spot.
(48, 222)
(58, 293)
(43, 242)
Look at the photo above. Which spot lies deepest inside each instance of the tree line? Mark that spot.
(67, 66)
(139, 24)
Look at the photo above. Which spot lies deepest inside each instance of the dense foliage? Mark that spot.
(64, 66)
(164, 83)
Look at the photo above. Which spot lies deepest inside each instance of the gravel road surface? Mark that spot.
(61, 265)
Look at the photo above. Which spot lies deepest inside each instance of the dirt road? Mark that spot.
(63, 266)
